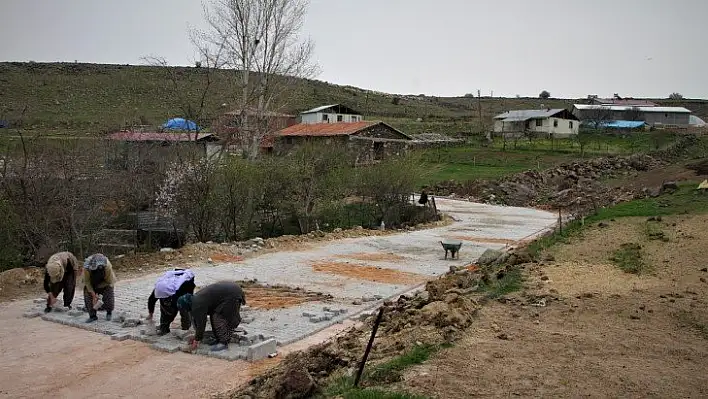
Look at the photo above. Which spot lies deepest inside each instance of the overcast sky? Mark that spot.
(571, 48)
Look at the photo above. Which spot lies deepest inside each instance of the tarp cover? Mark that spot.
(180, 124)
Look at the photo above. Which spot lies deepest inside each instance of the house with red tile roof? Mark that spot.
(371, 140)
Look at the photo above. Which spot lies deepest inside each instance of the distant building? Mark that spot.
(622, 101)
(144, 149)
(371, 140)
(550, 122)
(653, 116)
(330, 114)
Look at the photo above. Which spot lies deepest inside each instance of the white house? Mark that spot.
(557, 122)
(330, 114)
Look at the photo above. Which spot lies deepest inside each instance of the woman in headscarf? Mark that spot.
(61, 273)
(221, 302)
(99, 279)
(168, 288)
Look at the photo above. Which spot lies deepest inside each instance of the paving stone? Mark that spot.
(75, 313)
(182, 334)
(40, 300)
(247, 320)
(120, 337)
(130, 323)
(169, 347)
(261, 350)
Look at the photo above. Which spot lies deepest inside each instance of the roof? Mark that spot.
(332, 129)
(343, 109)
(326, 129)
(158, 136)
(237, 112)
(624, 101)
(526, 114)
(680, 110)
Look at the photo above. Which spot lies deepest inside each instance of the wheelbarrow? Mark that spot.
(451, 246)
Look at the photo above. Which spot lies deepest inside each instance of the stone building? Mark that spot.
(370, 140)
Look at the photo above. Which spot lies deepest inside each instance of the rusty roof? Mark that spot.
(326, 129)
(158, 136)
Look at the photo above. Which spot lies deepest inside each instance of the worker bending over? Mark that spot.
(168, 288)
(62, 271)
(222, 303)
(99, 279)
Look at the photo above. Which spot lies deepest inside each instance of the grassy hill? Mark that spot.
(92, 99)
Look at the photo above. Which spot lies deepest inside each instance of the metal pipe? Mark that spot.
(368, 347)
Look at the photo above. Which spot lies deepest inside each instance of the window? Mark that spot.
(354, 118)
(555, 123)
(340, 118)
(570, 124)
(325, 118)
(539, 122)
(288, 140)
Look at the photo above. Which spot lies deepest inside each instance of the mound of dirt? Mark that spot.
(18, 283)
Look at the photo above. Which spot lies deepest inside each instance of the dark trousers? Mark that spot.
(225, 319)
(108, 300)
(67, 284)
(168, 313)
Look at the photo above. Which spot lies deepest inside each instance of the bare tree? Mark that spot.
(633, 114)
(597, 116)
(260, 40)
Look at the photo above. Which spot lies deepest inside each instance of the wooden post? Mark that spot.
(368, 347)
(560, 220)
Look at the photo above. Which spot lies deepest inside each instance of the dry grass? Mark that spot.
(369, 273)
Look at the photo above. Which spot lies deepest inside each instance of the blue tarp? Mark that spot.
(180, 124)
(620, 124)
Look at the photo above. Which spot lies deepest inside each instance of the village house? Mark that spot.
(371, 140)
(548, 122)
(144, 148)
(617, 100)
(653, 116)
(330, 114)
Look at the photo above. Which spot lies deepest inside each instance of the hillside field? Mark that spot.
(75, 99)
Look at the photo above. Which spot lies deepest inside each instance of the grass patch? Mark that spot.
(687, 200)
(629, 258)
(510, 282)
(392, 370)
(653, 231)
(687, 319)
(384, 373)
(343, 387)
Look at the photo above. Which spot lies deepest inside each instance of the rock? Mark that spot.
(39, 300)
(357, 303)
(435, 309)
(504, 337)
(669, 186)
(166, 249)
(296, 385)
(634, 317)
(210, 261)
(488, 257)
(705, 269)
(549, 257)
(703, 280)
(603, 225)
